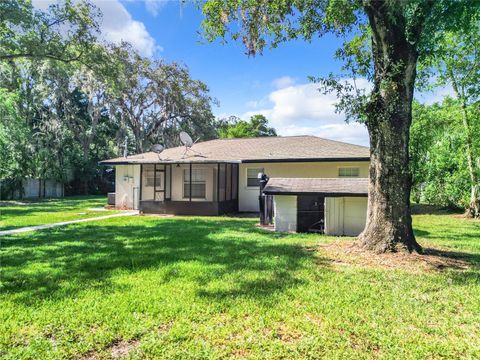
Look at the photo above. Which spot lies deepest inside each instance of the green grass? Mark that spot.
(17, 214)
(189, 287)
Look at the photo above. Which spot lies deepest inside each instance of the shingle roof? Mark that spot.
(326, 186)
(264, 149)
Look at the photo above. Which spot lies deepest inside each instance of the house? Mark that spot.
(221, 176)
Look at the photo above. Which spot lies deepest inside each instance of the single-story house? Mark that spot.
(221, 176)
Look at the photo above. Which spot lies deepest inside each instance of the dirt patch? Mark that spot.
(287, 335)
(343, 253)
(123, 348)
(158, 215)
(90, 356)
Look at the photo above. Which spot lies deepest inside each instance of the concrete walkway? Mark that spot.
(48, 226)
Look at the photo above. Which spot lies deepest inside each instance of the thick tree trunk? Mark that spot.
(389, 222)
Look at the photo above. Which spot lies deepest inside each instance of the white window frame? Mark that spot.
(259, 170)
(340, 168)
(187, 170)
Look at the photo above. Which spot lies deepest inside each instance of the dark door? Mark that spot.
(310, 213)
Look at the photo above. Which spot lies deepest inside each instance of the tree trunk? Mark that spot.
(389, 222)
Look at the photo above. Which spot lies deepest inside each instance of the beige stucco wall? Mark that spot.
(285, 209)
(127, 186)
(345, 215)
(248, 196)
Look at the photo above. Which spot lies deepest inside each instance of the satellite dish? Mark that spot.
(186, 139)
(157, 148)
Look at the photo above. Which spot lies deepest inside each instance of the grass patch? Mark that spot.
(17, 214)
(190, 287)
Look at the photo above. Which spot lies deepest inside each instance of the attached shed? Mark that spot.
(333, 206)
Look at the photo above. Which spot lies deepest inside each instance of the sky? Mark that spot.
(274, 84)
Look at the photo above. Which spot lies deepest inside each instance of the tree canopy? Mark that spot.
(234, 127)
(69, 99)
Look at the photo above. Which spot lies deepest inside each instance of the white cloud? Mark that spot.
(302, 109)
(117, 24)
(283, 82)
(154, 6)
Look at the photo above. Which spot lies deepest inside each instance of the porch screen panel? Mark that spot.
(159, 181)
(228, 195)
(221, 185)
(148, 181)
(168, 182)
(199, 183)
(234, 181)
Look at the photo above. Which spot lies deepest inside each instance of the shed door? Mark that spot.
(310, 213)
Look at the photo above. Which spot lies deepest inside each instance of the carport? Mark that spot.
(332, 206)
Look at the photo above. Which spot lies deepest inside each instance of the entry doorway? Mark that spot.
(311, 213)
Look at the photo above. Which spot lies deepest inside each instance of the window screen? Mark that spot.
(198, 183)
(349, 172)
(149, 174)
(252, 177)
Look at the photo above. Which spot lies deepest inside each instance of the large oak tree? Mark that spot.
(399, 33)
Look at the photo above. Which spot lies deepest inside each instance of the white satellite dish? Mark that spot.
(157, 148)
(188, 142)
(186, 139)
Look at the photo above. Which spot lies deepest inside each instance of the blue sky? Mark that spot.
(274, 84)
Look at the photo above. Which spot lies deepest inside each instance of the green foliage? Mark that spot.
(197, 288)
(438, 154)
(233, 127)
(13, 142)
(26, 32)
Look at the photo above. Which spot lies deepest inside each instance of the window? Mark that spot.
(199, 177)
(348, 172)
(252, 177)
(150, 178)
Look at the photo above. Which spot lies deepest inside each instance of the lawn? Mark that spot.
(190, 287)
(16, 214)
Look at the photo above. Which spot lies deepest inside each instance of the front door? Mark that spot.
(159, 182)
(310, 213)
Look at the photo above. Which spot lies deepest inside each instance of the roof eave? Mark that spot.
(326, 194)
(292, 160)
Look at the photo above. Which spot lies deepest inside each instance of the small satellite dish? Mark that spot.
(157, 148)
(188, 142)
(186, 139)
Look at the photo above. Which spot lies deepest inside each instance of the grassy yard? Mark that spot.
(186, 287)
(16, 214)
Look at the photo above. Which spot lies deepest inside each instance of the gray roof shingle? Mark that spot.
(326, 186)
(264, 149)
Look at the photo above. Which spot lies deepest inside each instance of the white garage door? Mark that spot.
(345, 215)
(355, 215)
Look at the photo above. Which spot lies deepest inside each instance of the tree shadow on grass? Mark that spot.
(63, 262)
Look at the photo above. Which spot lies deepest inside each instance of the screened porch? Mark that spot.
(189, 188)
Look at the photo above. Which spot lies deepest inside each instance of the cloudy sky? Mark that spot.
(274, 84)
